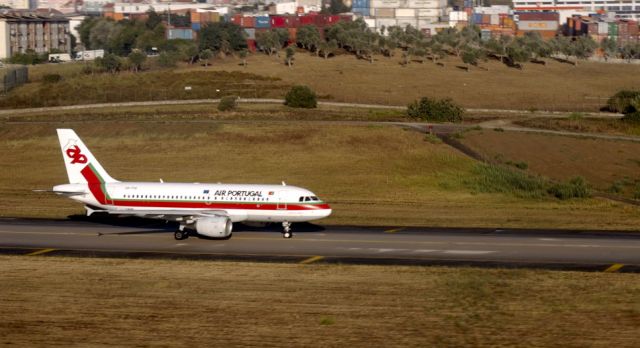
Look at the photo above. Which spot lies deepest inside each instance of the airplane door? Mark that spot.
(282, 203)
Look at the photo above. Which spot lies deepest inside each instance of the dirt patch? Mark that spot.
(601, 162)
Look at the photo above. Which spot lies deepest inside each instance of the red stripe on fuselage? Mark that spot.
(219, 205)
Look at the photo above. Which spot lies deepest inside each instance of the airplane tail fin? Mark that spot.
(81, 166)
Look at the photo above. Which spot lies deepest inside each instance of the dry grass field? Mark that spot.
(601, 162)
(371, 175)
(584, 125)
(54, 301)
(556, 86)
(208, 112)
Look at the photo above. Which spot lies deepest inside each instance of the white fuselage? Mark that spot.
(255, 203)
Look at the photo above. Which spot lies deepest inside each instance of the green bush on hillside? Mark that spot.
(574, 188)
(622, 102)
(301, 97)
(498, 179)
(227, 103)
(439, 110)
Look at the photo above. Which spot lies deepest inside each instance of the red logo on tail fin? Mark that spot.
(76, 156)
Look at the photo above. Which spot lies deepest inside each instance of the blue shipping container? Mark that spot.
(195, 26)
(358, 4)
(263, 22)
(363, 11)
(477, 18)
(186, 34)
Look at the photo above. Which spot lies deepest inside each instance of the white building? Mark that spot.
(627, 9)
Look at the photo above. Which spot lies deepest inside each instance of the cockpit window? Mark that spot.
(307, 199)
(301, 199)
(314, 198)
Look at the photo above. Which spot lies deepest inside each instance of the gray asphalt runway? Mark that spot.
(581, 250)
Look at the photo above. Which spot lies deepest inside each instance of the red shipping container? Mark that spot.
(306, 20)
(293, 22)
(538, 16)
(346, 18)
(293, 35)
(320, 20)
(236, 19)
(331, 20)
(248, 22)
(278, 22)
(251, 45)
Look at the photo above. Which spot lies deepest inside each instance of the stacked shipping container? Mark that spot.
(417, 13)
(622, 31)
(543, 23)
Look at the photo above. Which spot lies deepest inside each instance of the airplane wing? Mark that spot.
(186, 215)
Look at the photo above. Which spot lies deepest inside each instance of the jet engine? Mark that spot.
(214, 227)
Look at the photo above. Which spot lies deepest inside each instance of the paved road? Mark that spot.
(588, 250)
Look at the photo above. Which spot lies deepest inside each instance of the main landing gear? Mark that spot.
(287, 230)
(181, 234)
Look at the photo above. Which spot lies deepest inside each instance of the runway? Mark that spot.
(549, 249)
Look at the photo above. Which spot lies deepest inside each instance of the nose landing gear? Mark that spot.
(287, 230)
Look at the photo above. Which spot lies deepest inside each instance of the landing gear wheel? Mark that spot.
(287, 230)
(180, 235)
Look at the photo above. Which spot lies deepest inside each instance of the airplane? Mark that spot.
(207, 209)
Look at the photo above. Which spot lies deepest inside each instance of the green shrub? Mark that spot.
(442, 110)
(498, 179)
(227, 103)
(433, 139)
(633, 117)
(616, 187)
(576, 116)
(621, 102)
(327, 321)
(636, 192)
(574, 188)
(51, 78)
(167, 60)
(301, 97)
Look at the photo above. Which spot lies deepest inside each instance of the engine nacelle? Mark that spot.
(214, 227)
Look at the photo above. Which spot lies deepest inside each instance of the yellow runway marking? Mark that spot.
(394, 230)
(614, 268)
(40, 252)
(311, 260)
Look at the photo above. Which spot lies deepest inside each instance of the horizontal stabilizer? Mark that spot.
(63, 193)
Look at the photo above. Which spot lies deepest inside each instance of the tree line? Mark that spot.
(413, 45)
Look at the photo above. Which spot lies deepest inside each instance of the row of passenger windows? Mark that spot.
(199, 198)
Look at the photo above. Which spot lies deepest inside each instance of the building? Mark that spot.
(21, 31)
(623, 9)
